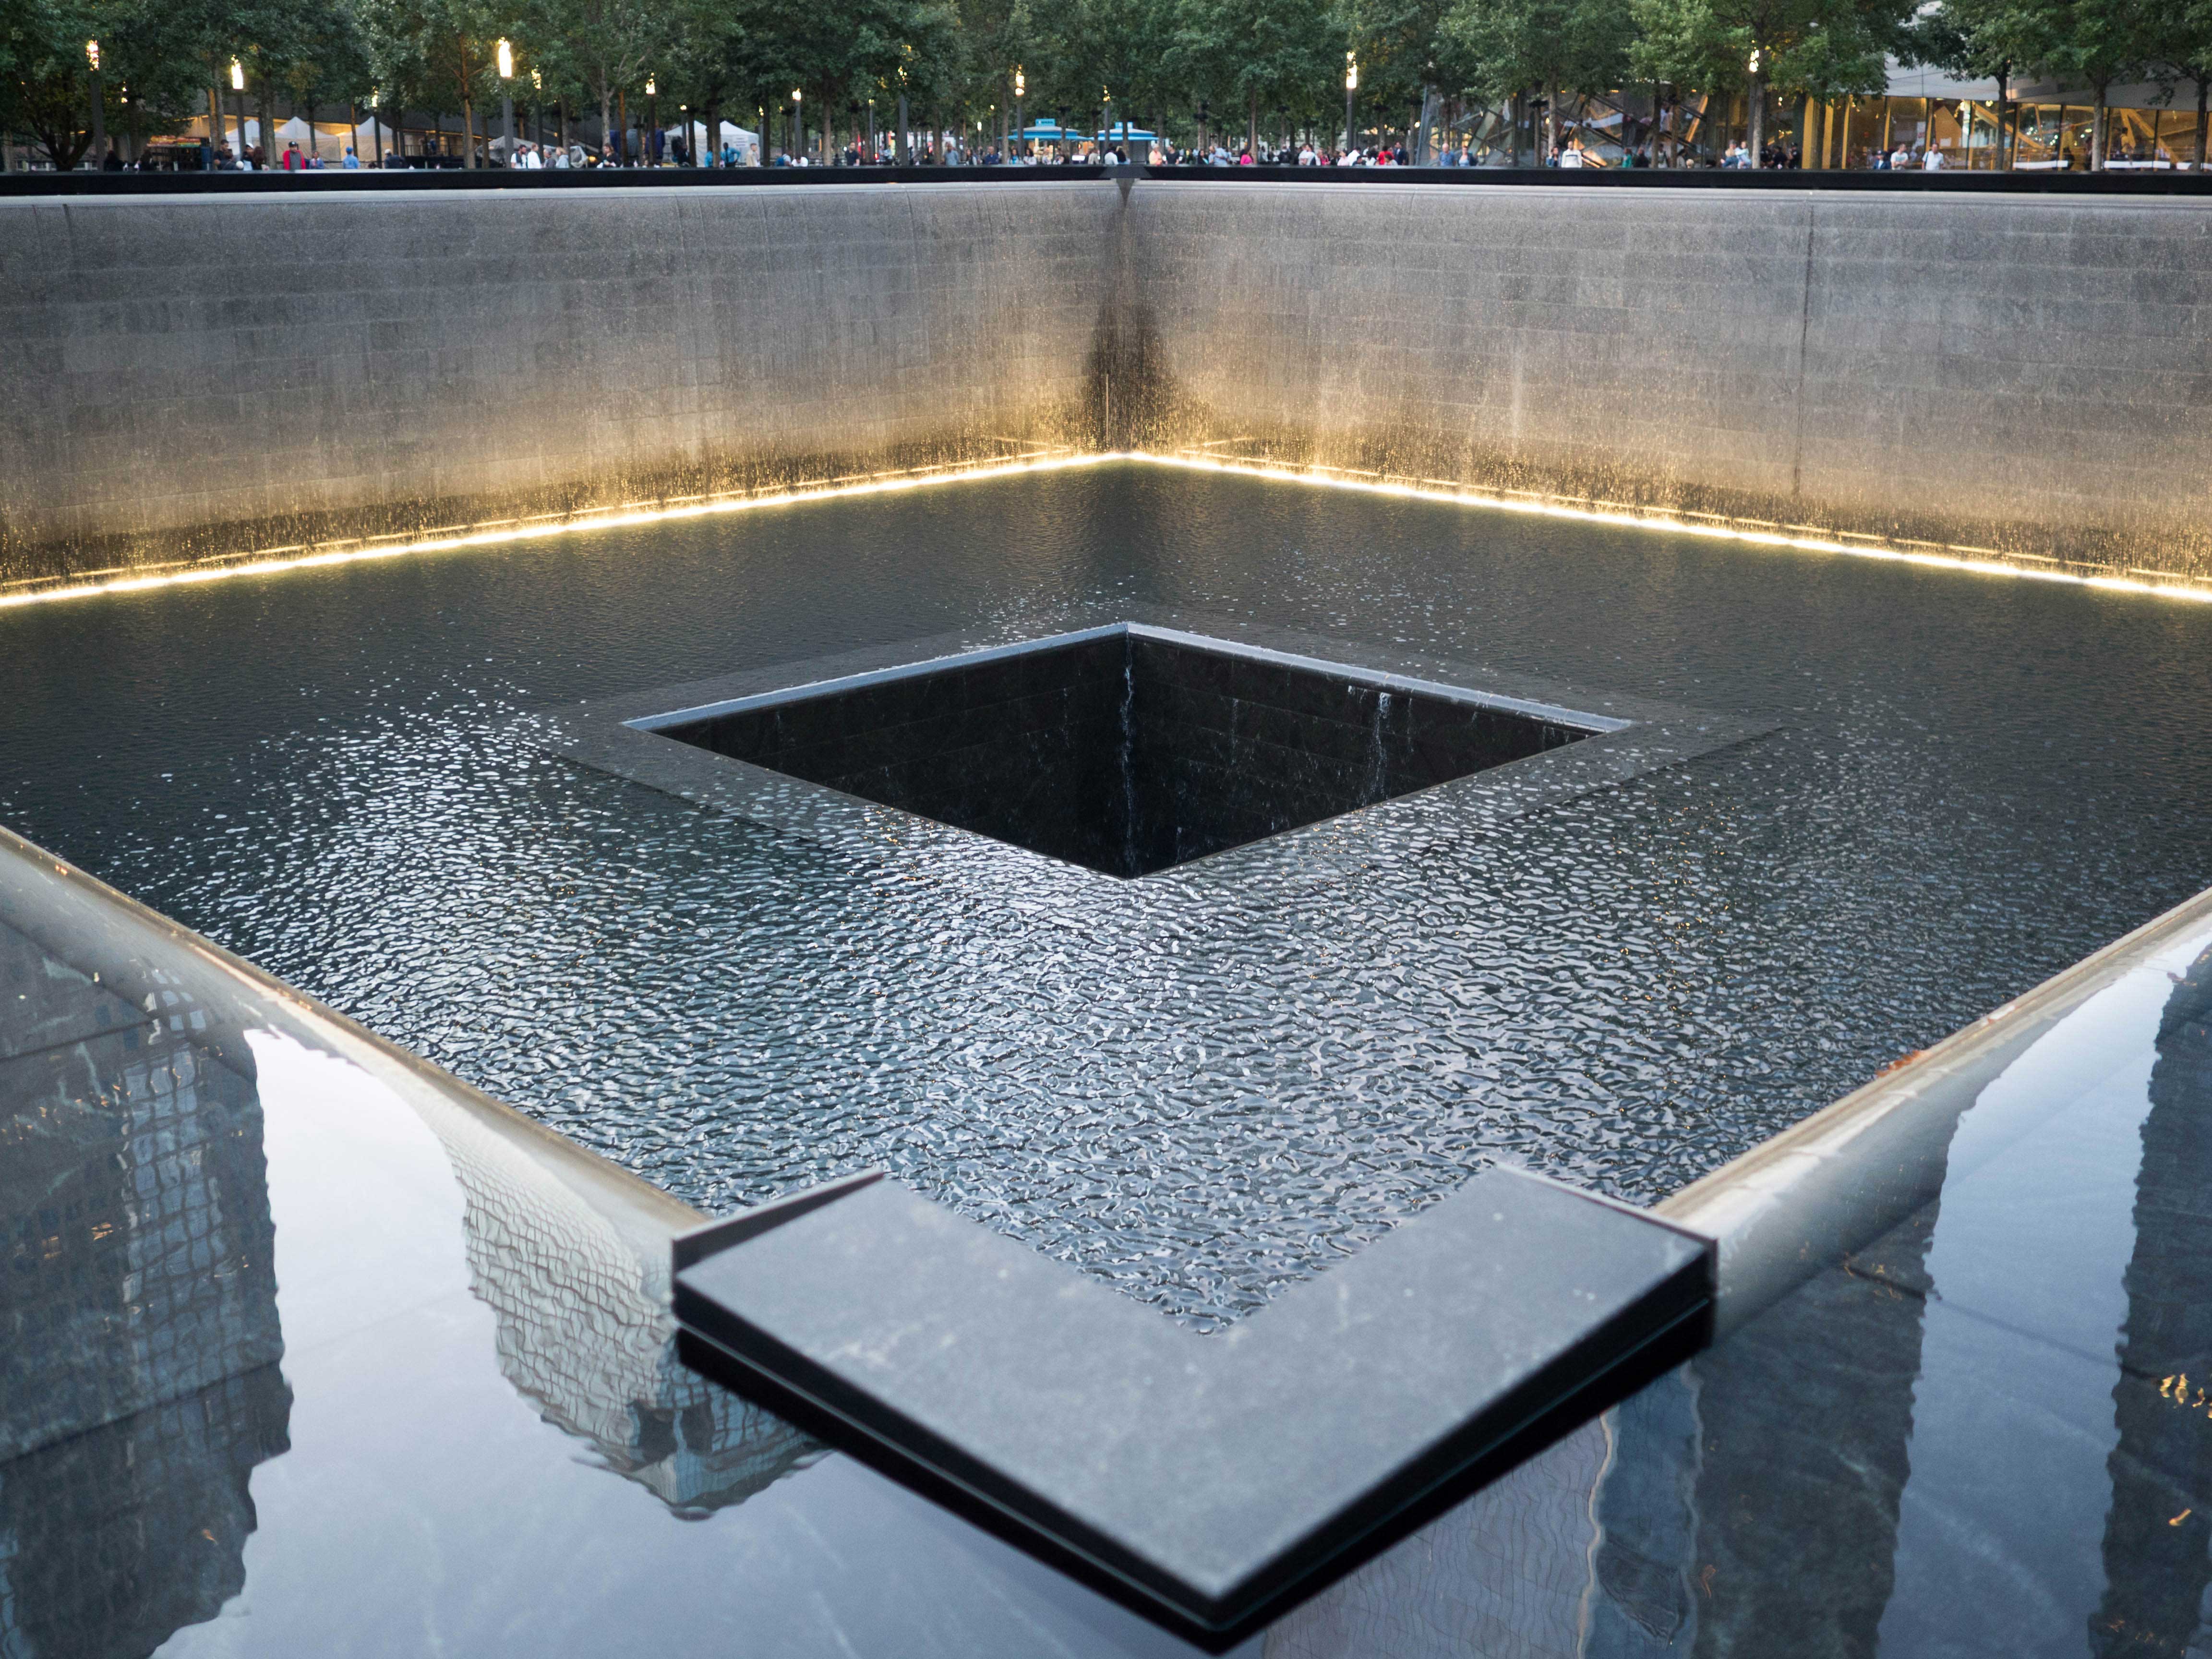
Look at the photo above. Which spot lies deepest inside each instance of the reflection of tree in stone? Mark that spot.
(1745, 1504)
(2160, 1530)
(1807, 1414)
(138, 1327)
(1647, 1516)
(1505, 1575)
(585, 1331)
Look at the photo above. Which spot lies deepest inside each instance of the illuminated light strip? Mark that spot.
(2179, 587)
(514, 530)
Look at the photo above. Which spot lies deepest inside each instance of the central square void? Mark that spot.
(1128, 749)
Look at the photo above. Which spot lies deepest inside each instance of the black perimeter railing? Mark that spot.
(2176, 183)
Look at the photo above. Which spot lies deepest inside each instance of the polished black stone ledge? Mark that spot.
(349, 181)
(1210, 1482)
(1732, 178)
(1735, 179)
(1614, 738)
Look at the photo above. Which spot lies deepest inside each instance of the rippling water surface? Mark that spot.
(1977, 781)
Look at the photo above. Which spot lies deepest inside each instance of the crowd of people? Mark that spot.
(656, 149)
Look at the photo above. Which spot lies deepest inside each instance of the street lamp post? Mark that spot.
(507, 95)
(238, 99)
(1021, 91)
(1105, 121)
(1204, 116)
(905, 150)
(1755, 112)
(375, 124)
(99, 110)
(652, 116)
(1351, 90)
(798, 135)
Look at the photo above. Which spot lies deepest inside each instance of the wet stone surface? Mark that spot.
(1977, 782)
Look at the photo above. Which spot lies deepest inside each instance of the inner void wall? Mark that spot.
(195, 378)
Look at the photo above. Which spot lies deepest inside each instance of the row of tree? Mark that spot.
(1252, 67)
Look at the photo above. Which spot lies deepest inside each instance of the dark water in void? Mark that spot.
(1978, 780)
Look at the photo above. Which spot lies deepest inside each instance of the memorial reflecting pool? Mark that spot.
(1971, 782)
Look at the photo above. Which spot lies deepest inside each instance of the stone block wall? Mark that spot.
(2025, 374)
(190, 377)
(194, 377)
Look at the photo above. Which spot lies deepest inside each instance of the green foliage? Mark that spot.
(1247, 55)
(45, 80)
(1159, 58)
(1503, 47)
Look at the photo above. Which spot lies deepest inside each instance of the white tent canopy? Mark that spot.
(747, 143)
(365, 138)
(329, 142)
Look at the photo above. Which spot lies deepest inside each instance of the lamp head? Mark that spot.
(1021, 84)
(1352, 71)
(92, 53)
(651, 89)
(505, 60)
(237, 75)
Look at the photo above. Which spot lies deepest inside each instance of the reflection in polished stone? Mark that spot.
(1506, 1574)
(1644, 1600)
(2158, 1536)
(138, 1378)
(113, 1540)
(1807, 1414)
(1745, 1504)
(584, 1333)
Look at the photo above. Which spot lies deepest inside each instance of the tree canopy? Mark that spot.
(1249, 62)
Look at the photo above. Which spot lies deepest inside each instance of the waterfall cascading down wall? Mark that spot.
(192, 379)
(198, 378)
(2023, 376)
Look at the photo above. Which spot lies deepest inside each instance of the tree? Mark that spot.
(1812, 48)
(1993, 40)
(1504, 47)
(1398, 42)
(1251, 52)
(2103, 41)
(1681, 43)
(2180, 43)
(45, 86)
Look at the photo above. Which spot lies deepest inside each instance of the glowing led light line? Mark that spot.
(508, 531)
(1626, 518)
